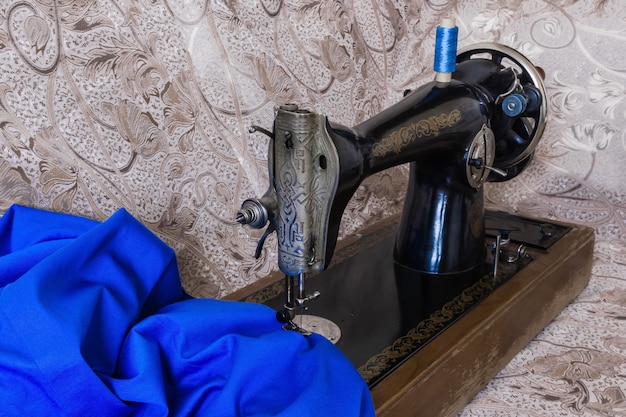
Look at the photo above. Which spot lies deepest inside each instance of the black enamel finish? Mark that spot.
(442, 230)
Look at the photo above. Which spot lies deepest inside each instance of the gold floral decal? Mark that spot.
(408, 134)
(380, 364)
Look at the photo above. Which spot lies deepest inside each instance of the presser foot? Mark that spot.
(307, 324)
(287, 316)
(292, 326)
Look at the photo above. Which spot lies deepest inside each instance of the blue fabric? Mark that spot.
(94, 322)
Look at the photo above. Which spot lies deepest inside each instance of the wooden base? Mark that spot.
(448, 372)
(444, 375)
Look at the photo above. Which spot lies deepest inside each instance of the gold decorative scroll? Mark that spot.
(406, 135)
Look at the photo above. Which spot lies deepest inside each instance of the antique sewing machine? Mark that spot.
(414, 302)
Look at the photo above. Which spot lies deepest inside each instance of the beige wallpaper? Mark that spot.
(146, 104)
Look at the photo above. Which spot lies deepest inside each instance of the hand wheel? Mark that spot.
(527, 107)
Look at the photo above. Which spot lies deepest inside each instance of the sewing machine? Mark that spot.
(443, 257)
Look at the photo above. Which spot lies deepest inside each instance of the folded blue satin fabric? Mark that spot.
(94, 322)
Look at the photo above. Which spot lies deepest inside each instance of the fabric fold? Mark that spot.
(94, 321)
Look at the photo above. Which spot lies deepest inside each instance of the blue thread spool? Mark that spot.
(445, 50)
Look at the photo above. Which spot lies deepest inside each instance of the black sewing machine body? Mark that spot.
(456, 135)
(434, 129)
(406, 305)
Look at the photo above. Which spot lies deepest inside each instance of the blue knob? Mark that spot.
(514, 105)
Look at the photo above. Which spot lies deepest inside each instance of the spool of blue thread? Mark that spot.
(445, 49)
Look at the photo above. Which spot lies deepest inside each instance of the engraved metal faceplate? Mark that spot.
(306, 173)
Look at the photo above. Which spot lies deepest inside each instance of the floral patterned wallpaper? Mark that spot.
(146, 104)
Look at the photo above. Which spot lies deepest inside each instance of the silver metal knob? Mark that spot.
(253, 213)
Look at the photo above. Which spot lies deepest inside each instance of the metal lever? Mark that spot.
(479, 164)
(255, 128)
(503, 240)
(496, 254)
(295, 299)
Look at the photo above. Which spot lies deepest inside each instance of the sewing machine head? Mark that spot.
(480, 124)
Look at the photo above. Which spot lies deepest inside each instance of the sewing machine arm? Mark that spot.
(482, 125)
(458, 135)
